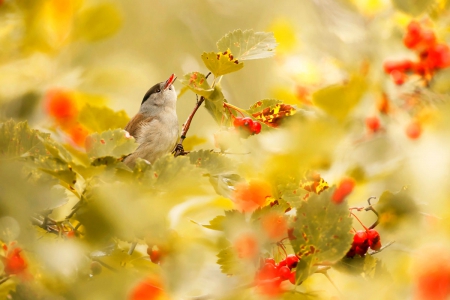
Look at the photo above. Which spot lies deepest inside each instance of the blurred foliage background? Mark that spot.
(79, 69)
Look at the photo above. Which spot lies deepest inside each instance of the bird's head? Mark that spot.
(160, 96)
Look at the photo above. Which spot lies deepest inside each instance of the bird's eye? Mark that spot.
(158, 90)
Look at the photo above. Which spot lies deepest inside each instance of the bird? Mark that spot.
(155, 126)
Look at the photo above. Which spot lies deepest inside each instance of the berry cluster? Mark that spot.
(363, 240)
(12, 259)
(247, 126)
(431, 54)
(274, 273)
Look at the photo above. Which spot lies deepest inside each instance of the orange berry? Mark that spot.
(61, 105)
(275, 226)
(249, 196)
(373, 123)
(246, 246)
(414, 130)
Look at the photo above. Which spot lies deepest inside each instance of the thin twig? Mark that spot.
(178, 150)
(132, 247)
(382, 248)
(4, 279)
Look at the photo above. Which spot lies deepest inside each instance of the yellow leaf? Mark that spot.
(339, 100)
(98, 22)
(221, 63)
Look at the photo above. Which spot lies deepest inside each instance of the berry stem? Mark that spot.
(359, 221)
(240, 110)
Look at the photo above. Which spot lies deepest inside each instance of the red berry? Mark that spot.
(360, 238)
(345, 187)
(373, 123)
(15, 264)
(270, 261)
(361, 250)
(413, 35)
(438, 57)
(255, 127)
(398, 77)
(413, 130)
(269, 271)
(155, 256)
(282, 263)
(237, 122)
(292, 277)
(284, 273)
(376, 246)
(247, 122)
(292, 261)
(402, 65)
(374, 239)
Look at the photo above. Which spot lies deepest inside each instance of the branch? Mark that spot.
(179, 147)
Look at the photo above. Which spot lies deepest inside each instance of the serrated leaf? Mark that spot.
(113, 143)
(222, 223)
(271, 112)
(99, 119)
(216, 223)
(278, 208)
(214, 104)
(17, 139)
(98, 22)
(323, 233)
(221, 63)
(247, 44)
(197, 82)
(228, 261)
(338, 100)
(395, 207)
(214, 163)
(56, 168)
(413, 7)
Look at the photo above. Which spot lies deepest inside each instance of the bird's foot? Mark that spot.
(179, 150)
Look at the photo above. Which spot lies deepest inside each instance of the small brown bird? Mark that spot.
(155, 127)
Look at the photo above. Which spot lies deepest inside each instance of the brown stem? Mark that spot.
(179, 147)
(178, 150)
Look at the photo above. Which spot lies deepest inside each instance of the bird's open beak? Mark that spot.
(170, 81)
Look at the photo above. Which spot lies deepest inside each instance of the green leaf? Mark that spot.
(17, 140)
(338, 100)
(221, 63)
(247, 44)
(394, 208)
(197, 82)
(56, 168)
(113, 143)
(323, 233)
(276, 208)
(229, 221)
(229, 262)
(99, 119)
(413, 7)
(214, 163)
(214, 104)
(216, 223)
(98, 22)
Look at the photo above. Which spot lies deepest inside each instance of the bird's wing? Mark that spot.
(133, 127)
